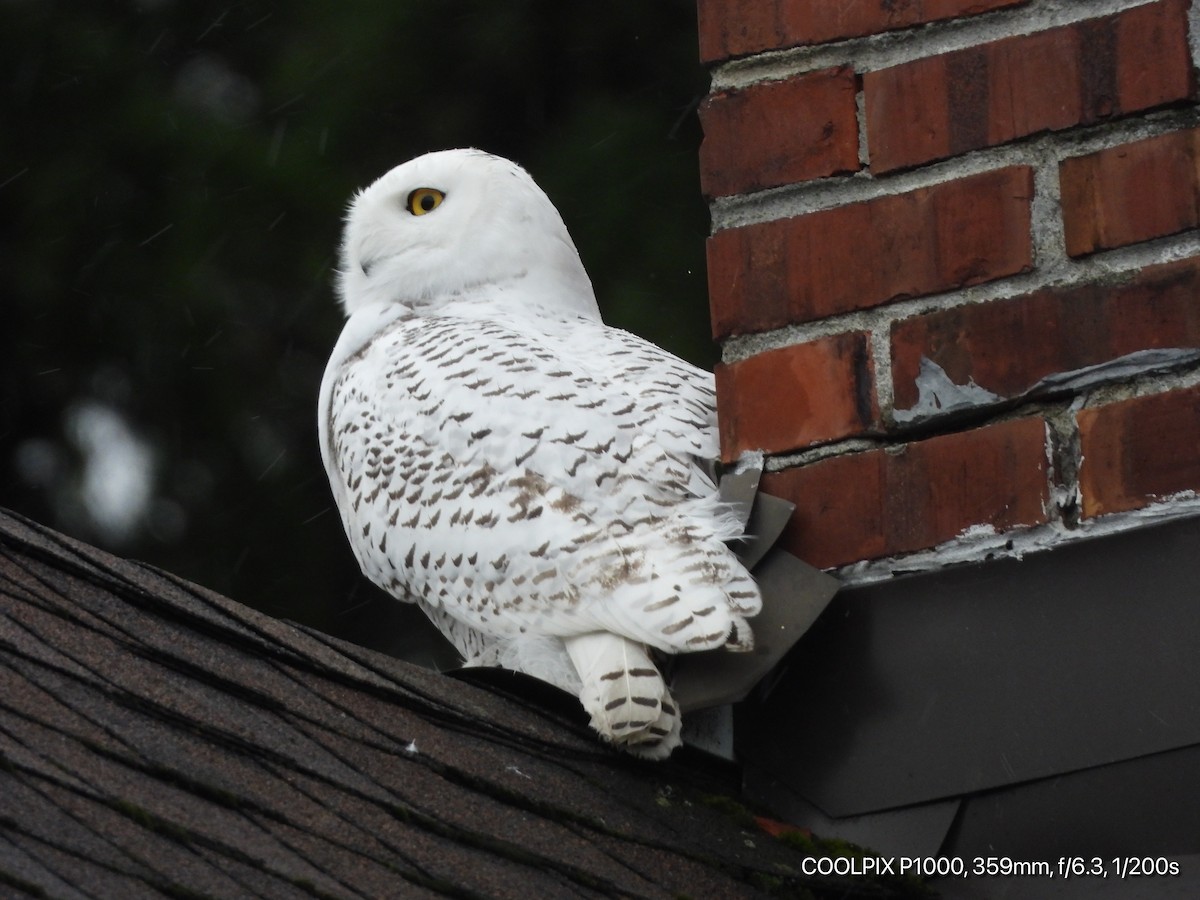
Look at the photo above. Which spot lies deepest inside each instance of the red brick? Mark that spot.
(740, 27)
(1007, 346)
(796, 396)
(779, 132)
(982, 96)
(1131, 193)
(938, 238)
(1140, 450)
(888, 502)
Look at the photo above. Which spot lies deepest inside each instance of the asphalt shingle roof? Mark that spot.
(159, 739)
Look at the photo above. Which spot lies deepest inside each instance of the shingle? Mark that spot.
(156, 738)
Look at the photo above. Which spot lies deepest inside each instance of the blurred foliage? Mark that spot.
(172, 180)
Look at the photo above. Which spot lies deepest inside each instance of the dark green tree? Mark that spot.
(172, 179)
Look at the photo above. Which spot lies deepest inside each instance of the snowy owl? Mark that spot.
(529, 476)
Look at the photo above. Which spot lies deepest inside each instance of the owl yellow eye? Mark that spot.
(424, 200)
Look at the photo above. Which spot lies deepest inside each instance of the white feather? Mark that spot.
(528, 475)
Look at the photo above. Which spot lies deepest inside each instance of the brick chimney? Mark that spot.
(955, 269)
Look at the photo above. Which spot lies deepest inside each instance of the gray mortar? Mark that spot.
(882, 51)
(1042, 149)
(978, 544)
(1065, 457)
(1136, 376)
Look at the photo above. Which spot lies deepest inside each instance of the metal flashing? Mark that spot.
(1015, 687)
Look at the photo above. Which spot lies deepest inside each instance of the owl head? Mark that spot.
(455, 224)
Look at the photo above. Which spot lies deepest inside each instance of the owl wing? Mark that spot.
(533, 475)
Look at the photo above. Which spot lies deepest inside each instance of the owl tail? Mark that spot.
(624, 694)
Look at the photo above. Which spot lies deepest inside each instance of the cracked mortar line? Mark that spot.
(976, 545)
(1064, 457)
(1057, 409)
(869, 53)
(1145, 384)
(821, 452)
(1066, 524)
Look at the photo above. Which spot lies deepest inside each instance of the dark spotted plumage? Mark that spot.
(526, 474)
